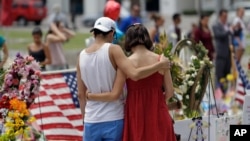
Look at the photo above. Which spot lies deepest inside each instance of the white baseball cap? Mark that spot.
(104, 24)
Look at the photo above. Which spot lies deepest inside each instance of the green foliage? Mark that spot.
(176, 70)
(2, 72)
(191, 81)
(6, 137)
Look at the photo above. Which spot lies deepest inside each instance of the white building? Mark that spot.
(166, 7)
(95, 7)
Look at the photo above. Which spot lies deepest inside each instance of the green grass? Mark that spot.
(19, 39)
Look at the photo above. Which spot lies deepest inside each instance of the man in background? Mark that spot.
(174, 31)
(222, 36)
(132, 19)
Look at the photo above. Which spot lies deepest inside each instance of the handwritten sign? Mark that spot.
(246, 109)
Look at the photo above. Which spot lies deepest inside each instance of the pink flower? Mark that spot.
(27, 69)
(9, 82)
(30, 58)
(35, 81)
(9, 76)
(34, 65)
(38, 72)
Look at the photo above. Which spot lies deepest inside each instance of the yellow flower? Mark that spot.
(31, 119)
(15, 115)
(8, 124)
(230, 77)
(19, 132)
(10, 114)
(222, 80)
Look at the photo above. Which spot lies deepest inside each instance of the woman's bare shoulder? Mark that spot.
(30, 45)
(154, 56)
(155, 59)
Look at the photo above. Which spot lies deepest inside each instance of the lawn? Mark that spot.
(19, 39)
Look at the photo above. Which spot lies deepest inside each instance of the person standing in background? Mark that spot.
(112, 10)
(38, 49)
(3, 47)
(132, 19)
(55, 38)
(174, 31)
(73, 13)
(239, 37)
(154, 31)
(222, 34)
(203, 34)
(191, 33)
(58, 15)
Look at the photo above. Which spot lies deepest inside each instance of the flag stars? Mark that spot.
(71, 81)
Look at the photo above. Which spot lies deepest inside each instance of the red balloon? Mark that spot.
(112, 10)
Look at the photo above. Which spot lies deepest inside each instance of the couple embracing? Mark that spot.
(103, 70)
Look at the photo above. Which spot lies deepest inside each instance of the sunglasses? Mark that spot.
(135, 24)
(114, 33)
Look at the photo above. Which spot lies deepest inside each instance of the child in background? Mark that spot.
(38, 49)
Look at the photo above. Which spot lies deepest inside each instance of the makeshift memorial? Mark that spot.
(19, 89)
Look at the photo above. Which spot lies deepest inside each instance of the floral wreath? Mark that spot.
(19, 89)
(190, 82)
(196, 78)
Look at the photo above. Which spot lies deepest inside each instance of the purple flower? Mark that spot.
(34, 65)
(18, 55)
(9, 76)
(8, 82)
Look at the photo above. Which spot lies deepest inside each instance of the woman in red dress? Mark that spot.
(147, 116)
(203, 34)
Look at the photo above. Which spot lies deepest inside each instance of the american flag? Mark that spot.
(242, 84)
(57, 108)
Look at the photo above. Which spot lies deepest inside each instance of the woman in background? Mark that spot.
(203, 34)
(55, 38)
(146, 113)
(38, 49)
(154, 32)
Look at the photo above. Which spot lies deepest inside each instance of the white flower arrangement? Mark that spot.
(190, 81)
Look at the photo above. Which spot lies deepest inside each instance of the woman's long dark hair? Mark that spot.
(201, 18)
(137, 34)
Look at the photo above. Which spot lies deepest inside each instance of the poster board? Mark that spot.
(218, 130)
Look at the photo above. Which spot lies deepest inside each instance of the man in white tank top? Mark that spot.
(96, 72)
